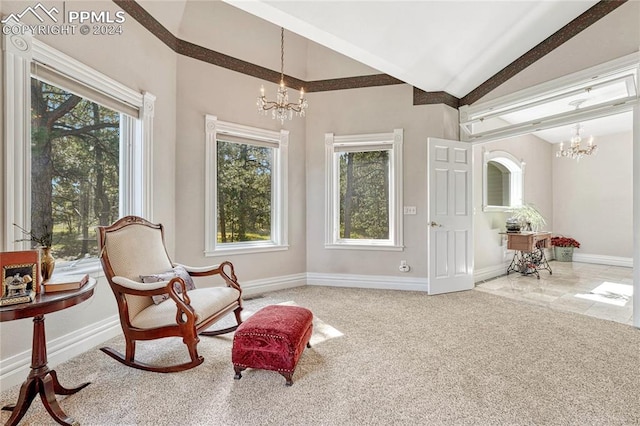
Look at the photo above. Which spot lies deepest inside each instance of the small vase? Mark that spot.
(47, 263)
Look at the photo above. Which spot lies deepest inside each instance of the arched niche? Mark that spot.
(502, 181)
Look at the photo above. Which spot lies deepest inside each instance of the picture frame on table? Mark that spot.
(20, 274)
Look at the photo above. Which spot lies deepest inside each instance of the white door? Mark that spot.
(450, 216)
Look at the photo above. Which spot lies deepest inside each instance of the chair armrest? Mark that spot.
(228, 275)
(134, 285)
(199, 269)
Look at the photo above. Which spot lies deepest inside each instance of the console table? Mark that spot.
(529, 257)
(41, 380)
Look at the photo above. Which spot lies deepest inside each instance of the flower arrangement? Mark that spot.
(529, 217)
(42, 240)
(564, 242)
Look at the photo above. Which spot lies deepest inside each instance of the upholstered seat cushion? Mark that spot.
(204, 301)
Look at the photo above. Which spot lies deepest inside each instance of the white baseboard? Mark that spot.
(490, 272)
(603, 260)
(14, 370)
(367, 281)
(251, 288)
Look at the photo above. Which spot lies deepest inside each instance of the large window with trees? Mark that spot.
(78, 153)
(364, 190)
(75, 179)
(246, 188)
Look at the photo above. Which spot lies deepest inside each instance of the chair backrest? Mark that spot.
(132, 247)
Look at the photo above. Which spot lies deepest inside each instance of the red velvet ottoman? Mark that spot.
(272, 339)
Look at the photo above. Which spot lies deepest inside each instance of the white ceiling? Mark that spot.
(451, 46)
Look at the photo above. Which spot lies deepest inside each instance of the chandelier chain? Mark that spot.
(281, 54)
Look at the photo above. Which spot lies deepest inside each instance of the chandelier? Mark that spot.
(281, 109)
(576, 151)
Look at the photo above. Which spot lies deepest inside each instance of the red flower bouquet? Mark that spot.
(564, 242)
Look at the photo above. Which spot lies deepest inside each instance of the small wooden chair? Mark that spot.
(133, 248)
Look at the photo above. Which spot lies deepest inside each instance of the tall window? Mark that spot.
(364, 190)
(75, 152)
(79, 152)
(246, 188)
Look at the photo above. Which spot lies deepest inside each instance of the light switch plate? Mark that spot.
(410, 210)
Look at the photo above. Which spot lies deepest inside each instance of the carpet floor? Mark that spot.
(380, 357)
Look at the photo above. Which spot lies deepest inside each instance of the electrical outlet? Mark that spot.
(404, 267)
(410, 210)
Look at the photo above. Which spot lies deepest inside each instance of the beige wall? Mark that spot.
(140, 61)
(592, 198)
(205, 89)
(538, 185)
(373, 110)
(226, 29)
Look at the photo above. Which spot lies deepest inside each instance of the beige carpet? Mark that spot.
(403, 358)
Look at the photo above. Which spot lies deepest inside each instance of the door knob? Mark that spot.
(433, 225)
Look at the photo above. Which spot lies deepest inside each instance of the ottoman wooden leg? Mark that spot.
(289, 377)
(238, 370)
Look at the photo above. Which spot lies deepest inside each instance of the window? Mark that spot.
(502, 182)
(75, 177)
(246, 197)
(80, 153)
(364, 191)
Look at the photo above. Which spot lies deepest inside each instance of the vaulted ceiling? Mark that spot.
(453, 50)
(450, 46)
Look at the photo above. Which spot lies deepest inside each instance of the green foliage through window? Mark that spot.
(364, 195)
(75, 150)
(244, 185)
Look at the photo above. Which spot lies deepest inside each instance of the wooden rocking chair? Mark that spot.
(133, 249)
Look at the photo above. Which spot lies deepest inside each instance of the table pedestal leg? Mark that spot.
(41, 381)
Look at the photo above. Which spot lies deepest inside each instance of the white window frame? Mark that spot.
(385, 141)
(136, 175)
(279, 184)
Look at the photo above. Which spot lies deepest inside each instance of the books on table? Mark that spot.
(65, 282)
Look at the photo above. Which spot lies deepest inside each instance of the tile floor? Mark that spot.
(597, 290)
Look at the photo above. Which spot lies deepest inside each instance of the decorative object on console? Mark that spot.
(513, 225)
(20, 277)
(529, 218)
(43, 242)
(563, 248)
(575, 151)
(281, 108)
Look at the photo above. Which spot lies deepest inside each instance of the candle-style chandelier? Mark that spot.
(575, 150)
(281, 109)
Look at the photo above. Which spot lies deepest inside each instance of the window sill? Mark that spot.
(91, 266)
(227, 251)
(351, 246)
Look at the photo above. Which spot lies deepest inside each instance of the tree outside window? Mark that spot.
(364, 195)
(75, 151)
(244, 177)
